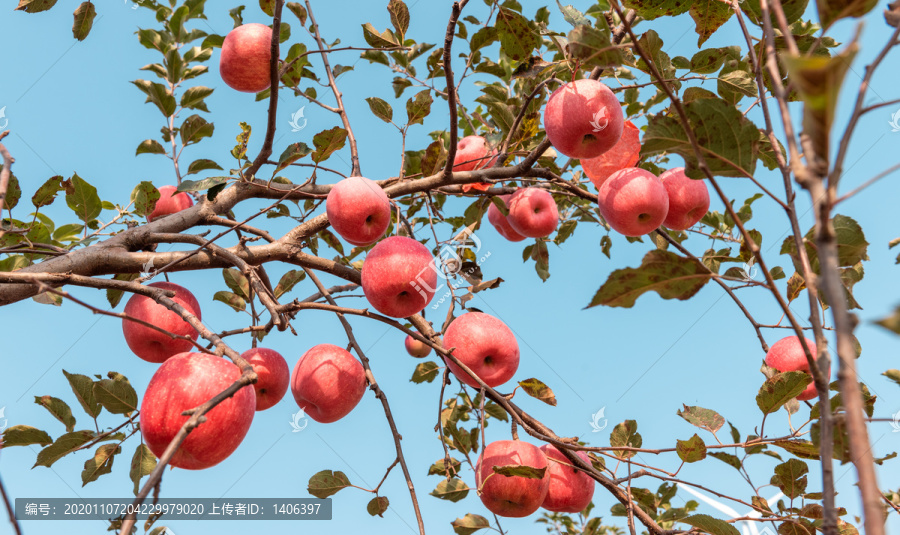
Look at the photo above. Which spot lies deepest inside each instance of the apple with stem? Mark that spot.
(246, 55)
(583, 119)
(170, 202)
(273, 374)
(633, 201)
(512, 496)
(327, 383)
(688, 199)
(786, 355)
(570, 489)
(533, 212)
(152, 345)
(473, 152)
(359, 210)
(416, 348)
(484, 344)
(399, 277)
(186, 381)
(501, 222)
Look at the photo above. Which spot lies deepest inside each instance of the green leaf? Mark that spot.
(793, 11)
(425, 372)
(327, 142)
(399, 18)
(832, 10)
(711, 525)
(517, 470)
(115, 296)
(790, 477)
(326, 483)
(83, 200)
(453, 490)
(893, 375)
(593, 47)
(625, 435)
(710, 60)
(268, 7)
(234, 301)
(377, 506)
(799, 447)
(780, 389)
(727, 458)
(418, 107)
(84, 19)
(83, 388)
(101, 463)
(288, 281)
(736, 82)
(852, 247)
(149, 146)
(145, 196)
(59, 409)
(63, 446)
(439, 468)
(691, 450)
(193, 97)
(376, 39)
(651, 9)
(116, 394)
(291, 154)
(708, 16)
(664, 272)
(202, 165)
(195, 128)
(13, 192)
(537, 389)
(298, 10)
(159, 95)
(142, 463)
(381, 109)
(572, 16)
(35, 6)
(729, 141)
(469, 524)
(518, 35)
(25, 435)
(236, 280)
(46, 194)
(202, 185)
(702, 418)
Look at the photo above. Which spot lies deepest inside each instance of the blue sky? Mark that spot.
(71, 108)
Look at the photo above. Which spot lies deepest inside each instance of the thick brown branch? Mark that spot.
(274, 81)
(451, 87)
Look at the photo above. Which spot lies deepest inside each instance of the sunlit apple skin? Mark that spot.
(583, 119)
(570, 490)
(472, 152)
(246, 55)
(170, 202)
(359, 210)
(786, 355)
(688, 199)
(328, 383)
(533, 212)
(625, 153)
(152, 345)
(513, 496)
(484, 344)
(399, 277)
(416, 348)
(273, 376)
(501, 222)
(183, 382)
(633, 201)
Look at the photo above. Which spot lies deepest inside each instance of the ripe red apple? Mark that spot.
(152, 345)
(533, 212)
(399, 277)
(583, 119)
(359, 210)
(328, 383)
(786, 355)
(513, 496)
(416, 348)
(170, 202)
(484, 344)
(183, 382)
(273, 376)
(688, 199)
(570, 490)
(625, 153)
(246, 54)
(633, 201)
(472, 152)
(501, 222)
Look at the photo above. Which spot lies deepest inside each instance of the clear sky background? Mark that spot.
(71, 109)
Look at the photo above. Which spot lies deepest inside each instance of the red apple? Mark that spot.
(625, 153)
(152, 345)
(570, 490)
(532, 212)
(273, 376)
(416, 348)
(328, 383)
(513, 496)
(183, 382)
(786, 355)
(633, 201)
(501, 222)
(688, 199)
(170, 202)
(399, 277)
(246, 54)
(472, 152)
(359, 210)
(484, 344)
(583, 119)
